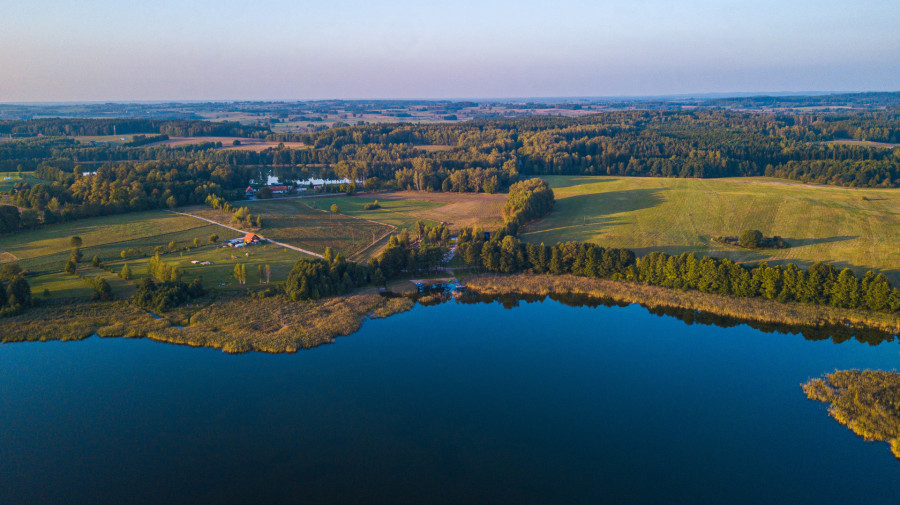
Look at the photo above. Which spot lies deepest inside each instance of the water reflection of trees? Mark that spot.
(836, 333)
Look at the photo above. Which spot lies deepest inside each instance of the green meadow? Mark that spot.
(10, 179)
(43, 252)
(857, 228)
(401, 213)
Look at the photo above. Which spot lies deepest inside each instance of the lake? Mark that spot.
(452, 403)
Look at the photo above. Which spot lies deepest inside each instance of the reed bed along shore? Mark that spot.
(233, 324)
(866, 401)
(751, 309)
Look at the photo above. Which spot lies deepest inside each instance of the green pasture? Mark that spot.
(10, 179)
(43, 252)
(857, 228)
(220, 275)
(399, 213)
(47, 248)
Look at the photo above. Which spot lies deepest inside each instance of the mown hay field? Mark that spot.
(857, 228)
(456, 210)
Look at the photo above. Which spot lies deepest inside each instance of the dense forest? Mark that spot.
(99, 127)
(486, 155)
(68, 194)
(489, 154)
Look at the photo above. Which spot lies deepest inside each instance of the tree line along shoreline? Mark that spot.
(819, 285)
(503, 252)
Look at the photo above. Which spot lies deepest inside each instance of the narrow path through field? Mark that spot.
(304, 251)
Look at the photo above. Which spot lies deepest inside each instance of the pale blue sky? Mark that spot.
(275, 49)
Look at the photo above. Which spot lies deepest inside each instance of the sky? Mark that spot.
(71, 50)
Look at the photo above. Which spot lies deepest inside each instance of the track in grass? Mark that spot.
(295, 222)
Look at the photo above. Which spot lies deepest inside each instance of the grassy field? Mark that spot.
(44, 252)
(301, 222)
(403, 208)
(402, 213)
(246, 144)
(457, 210)
(10, 179)
(47, 248)
(294, 222)
(859, 228)
(112, 139)
(220, 275)
(865, 143)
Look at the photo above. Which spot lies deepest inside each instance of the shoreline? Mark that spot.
(238, 323)
(742, 309)
(233, 324)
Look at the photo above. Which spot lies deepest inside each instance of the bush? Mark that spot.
(751, 239)
(102, 290)
(373, 205)
(166, 295)
(10, 271)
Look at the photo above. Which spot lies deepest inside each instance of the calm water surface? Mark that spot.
(543, 403)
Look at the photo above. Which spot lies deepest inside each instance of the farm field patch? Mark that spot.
(856, 228)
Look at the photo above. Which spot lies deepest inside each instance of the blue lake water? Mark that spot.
(454, 403)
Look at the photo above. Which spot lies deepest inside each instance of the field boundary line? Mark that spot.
(286, 246)
(366, 248)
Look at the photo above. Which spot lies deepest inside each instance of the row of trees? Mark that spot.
(821, 284)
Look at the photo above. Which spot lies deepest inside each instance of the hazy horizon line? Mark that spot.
(497, 99)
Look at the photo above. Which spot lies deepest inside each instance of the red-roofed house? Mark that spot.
(251, 238)
(250, 191)
(278, 189)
